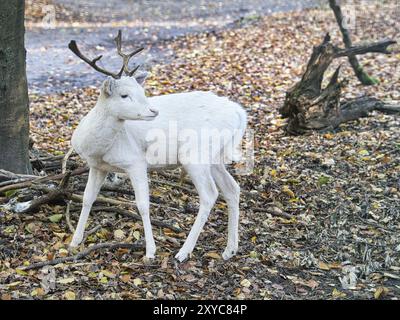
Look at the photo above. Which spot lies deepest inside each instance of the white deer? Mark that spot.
(114, 137)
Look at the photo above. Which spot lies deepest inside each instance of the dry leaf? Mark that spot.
(70, 295)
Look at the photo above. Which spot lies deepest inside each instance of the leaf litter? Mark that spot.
(340, 188)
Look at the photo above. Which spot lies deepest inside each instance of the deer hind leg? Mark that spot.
(231, 192)
(205, 185)
(95, 180)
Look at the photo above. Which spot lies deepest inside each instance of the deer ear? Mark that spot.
(141, 77)
(108, 87)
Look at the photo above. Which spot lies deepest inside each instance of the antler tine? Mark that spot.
(74, 48)
(126, 57)
(118, 41)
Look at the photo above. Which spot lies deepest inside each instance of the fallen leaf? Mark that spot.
(213, 255)
(70, 295)
(55, 218)
(137, 281)
(338, 294)
(245, 283)
(136, 235)
(66, 280)
(119, 234)
(381, 292)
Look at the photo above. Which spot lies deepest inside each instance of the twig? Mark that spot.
(90, 232)
(61, 193)
(137, 217)
(65, 160)
(194, 192)
(68, 217)
(8, 178)
(8, 175)
(84, 253)
(65, 180)
(172, 240)
(51, 195)
(275, 212)
(13, 182)
(27, 184)
(170, 175)
(49, 158)
(100, 199)
(175, 185)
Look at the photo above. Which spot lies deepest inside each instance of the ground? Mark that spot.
(319, 213)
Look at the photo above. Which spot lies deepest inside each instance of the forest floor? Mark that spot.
(339, 192)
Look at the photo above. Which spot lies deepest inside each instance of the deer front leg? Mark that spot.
(138, 176)
(95, 181)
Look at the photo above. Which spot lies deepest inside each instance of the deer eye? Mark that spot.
(124, 96)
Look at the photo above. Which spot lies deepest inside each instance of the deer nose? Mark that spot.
(155, 112)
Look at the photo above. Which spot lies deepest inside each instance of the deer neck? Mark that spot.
(96, 133)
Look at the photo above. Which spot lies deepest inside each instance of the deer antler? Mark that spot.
(126, 57)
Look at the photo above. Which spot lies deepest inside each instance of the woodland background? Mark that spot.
(319, 213)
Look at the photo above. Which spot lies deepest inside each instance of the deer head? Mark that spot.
(122, 94)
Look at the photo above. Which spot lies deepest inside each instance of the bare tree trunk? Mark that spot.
(364, 78)
(14, 107)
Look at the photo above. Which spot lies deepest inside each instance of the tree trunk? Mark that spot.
(14, 105)
(364, 78)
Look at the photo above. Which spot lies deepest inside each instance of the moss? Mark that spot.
(365, 78)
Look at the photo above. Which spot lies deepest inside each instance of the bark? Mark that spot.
(310, 107)
(14, 108)
(364, 78)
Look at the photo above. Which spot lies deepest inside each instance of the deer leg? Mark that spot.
(140, 184)
(95, 180)
(205, 185)
(231, 193)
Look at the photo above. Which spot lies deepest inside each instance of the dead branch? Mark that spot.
(65, 160)
(57, 194)
(90, 232)
(174, 185)
(68, 217)
(310, 107)
(37, 180)
(51, 197)
(7, 176)
(84, 253)
(358, 70)
(63, 194)
(377, 47)
(275, 212)
(136, 217)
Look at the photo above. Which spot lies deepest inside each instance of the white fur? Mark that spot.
(114, 138)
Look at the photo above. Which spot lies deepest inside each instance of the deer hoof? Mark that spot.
(182, 256)
(228, 253)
